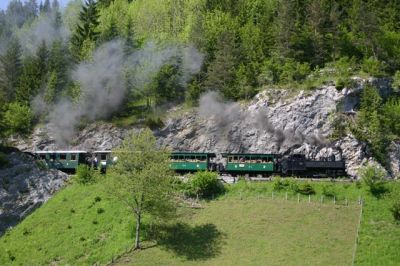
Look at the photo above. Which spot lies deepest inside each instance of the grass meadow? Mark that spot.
(247, 225)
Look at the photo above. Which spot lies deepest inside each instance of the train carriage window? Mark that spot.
(63, 156)
(73, 157)
(103, 157)
(52, 157)
(43, 156)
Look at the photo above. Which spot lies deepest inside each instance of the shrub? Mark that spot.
(277, 184)
(373, 178)
(205, 184)
(328, 190)
(306, 189)
(373, 67)
(85, 174)
(153, 122)
(4, 162)
(18, 118)
(396, 210)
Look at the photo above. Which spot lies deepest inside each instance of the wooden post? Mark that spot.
(298, 197)
(241, 195)
(346, 202)
(286, 195)
(272, 195)
(322, 199)
(334, 200)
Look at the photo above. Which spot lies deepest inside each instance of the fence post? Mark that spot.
(197, 197)
(298, 197)
(322, 199)
(286, 195)
(272, 195)
(346, 201)
(241, 195)
(309, 198)
(334, 200)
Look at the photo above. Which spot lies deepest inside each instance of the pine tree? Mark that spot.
(51, 88)
(42, 57)
(29, 82)
(111, 32)
(46, 6)
(131, 43)
(221, 71)
(86, 28)
(10, 70)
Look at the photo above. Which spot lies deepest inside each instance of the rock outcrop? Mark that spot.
(24, 186)
(275, 121)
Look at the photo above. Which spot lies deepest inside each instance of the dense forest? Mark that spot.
(106, 57)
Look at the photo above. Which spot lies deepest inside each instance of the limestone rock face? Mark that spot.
(24, 186)
(275, 121)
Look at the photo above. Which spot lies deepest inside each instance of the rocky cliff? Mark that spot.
(275, 121)
(23, 187)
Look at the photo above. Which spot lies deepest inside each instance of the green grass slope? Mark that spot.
(80, 225)
(256, 231)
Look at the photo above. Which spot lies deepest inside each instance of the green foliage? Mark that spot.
(86, 30)
(373, 178)
(396, 81)
(205, 184)
(329, 190)
(4, 162)
(396, 210)
(373, 67)
(18, 118)
(306, 189)
(142, 179)
(85, 175)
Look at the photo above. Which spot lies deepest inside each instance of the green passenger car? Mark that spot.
(242, 163)
(62, 160)
(190, 162)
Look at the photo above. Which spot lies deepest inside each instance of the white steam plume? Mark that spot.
(104, 81)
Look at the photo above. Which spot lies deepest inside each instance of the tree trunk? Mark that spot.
(137, 239)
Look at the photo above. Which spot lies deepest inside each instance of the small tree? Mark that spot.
(18, 118)
(205, 184)
(372, 178)
(142, 179)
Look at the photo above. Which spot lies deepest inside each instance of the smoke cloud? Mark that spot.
(44, 28)
(225, 114)
(106, 80)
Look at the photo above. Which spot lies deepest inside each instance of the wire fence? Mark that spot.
(298, 197)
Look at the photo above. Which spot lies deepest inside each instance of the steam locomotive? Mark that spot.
(235, 164)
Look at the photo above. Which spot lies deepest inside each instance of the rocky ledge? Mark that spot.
(24, 186)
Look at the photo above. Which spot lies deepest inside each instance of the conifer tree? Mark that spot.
(29, 82)
(86, 28)
(10, 70)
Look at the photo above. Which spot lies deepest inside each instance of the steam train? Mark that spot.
(235, 164)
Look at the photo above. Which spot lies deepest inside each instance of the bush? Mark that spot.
(329, 190)
(85, 174)
(18, 118)
(153, 122)
(4, 162)
(205, 184)
(277, 184)
(373, 67)
(396, 210)
(373, 178)
(306, 189)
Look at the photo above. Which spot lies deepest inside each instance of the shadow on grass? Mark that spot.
(198, 242)
(379, 191)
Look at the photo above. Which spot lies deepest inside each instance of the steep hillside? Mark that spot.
(24, 186)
